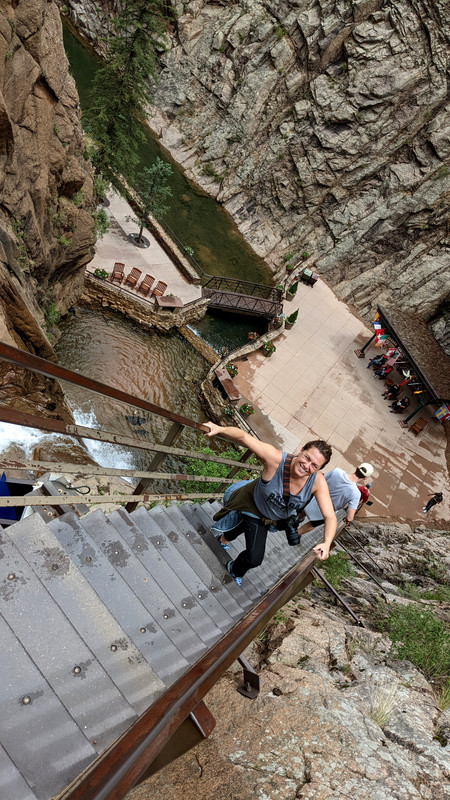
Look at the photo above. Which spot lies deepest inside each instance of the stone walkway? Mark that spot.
(314, 386)
(115, 246)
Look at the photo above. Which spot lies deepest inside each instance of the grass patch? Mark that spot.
(421, 638)
(195, 466)
(383, 702)
(336, 568)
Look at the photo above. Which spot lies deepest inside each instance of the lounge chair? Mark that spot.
(160, 288)
(118, 272)
(146, 284)
(133, 277)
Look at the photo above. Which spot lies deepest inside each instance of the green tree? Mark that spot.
(153, 192)
(121, 88)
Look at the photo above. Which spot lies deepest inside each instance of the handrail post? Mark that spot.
(171, 437)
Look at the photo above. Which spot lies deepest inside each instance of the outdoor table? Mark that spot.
(165, 301)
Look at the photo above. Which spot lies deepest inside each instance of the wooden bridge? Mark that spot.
(242, 297)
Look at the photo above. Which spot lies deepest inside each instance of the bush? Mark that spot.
(196, 466)
(421, 638)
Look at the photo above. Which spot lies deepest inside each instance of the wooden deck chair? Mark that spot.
(160, 288)
(133, 277)
(118, 272)
(418, 426)
(146, 284)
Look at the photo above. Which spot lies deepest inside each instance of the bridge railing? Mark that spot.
(224, 284)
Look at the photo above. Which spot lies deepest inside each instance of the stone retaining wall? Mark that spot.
(99, 293)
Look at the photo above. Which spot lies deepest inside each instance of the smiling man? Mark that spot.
(284, 487)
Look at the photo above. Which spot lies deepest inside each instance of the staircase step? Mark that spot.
(79, 602)
(152, 549)
(179, 562)
(155, 640)
(46, 762)
(197, 552)
(191, 632)
(56, 648)
(12, 784)
(216, 561)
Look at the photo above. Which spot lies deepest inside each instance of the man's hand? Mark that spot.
(322, 551)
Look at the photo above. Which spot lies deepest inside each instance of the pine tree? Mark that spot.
(153, 193)
(121, 88)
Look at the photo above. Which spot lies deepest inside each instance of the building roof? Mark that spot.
(429, 360)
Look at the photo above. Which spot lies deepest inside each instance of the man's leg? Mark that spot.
(255, 541)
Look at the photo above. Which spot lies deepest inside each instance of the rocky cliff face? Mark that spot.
(322, 128)
(46, 225)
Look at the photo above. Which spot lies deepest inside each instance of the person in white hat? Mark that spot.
(344, 493)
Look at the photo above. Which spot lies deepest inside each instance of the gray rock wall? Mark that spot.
(322, 127)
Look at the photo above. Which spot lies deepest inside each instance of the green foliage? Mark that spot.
(246, 409)
(121, 88)
(269, 347)
(153, 192)
(189, 250)
(101, 221)
(280, 32)
(288, 256)
(231, 369)
(51, 314)
(293, 288)
(196, 466)
(292, 317)
(336, 568)
(444, 697)
(77, 198)
(421, 638)
(21, 238)
(100, 186)
(64, 241)
(100, 273)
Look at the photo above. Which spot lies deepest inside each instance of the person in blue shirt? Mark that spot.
(344, 493)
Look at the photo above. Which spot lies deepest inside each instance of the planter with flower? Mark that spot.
(268, 348)
(223, 351)
(277, 322)
(290, 267)
(229, 411)
(252, 335)
(292, 291)
(291, 320)
(231, 369)
(101, 273)
(246, 409)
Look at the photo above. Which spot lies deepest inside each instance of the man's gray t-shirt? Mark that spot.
(343, 492)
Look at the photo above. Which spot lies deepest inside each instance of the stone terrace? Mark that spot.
(314, 386)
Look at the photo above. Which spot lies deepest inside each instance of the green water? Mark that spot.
(197, 220)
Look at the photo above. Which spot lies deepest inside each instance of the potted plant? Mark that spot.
(291, 319)
(290, 267)
(231, 369)
(229, 411)
(101, 273)
(223, 351)
(277, 322)
(246, 409)
(251, 336)
(292, 291)
(268, 348)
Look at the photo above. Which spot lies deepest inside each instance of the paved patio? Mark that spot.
(115, 246)
(314, 386)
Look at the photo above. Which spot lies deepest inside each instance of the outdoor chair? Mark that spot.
(418, 426)
(133, 277)
(159, 289)
(145, 285)
(118, 272)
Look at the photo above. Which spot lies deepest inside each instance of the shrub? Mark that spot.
(197, 466)
(101, 222)
(421, 638)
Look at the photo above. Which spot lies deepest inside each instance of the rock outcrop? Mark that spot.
(46, 212)
(322, 127)
(46, 225)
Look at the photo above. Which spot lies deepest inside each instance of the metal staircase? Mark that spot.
(114, 627)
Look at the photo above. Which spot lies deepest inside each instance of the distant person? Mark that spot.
(391, 393)
(399, 405)
(433, 501)
(344, 493)
(283, 488)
